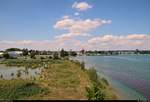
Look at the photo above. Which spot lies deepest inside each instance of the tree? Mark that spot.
(25, 52)
(32, 55)
(55, 55)
(82, 51)
(13, 49)
(73, 53)
(6, 56)
(63, 53)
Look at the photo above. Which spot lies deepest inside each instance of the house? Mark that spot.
(1, 54)
(15, 53)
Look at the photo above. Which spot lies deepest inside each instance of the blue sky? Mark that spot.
(35, 19)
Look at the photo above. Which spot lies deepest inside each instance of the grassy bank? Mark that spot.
(60, 79)
(99, 88)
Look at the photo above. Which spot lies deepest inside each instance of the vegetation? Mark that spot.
(63, 53)
(28, 63)
(95, 93)
(82, 65)
(60, 79)
(19, 89)
(32, 55)
(13, 49)
(99, 88)
(64, 80)
(25, 52)
(55, 56)
(73, 53)
(6, 56)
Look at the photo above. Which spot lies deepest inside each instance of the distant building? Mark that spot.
(1, 54)
(15, 53)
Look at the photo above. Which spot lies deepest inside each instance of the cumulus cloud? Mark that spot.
(131, 41)
(78, 27)
(105, 42)
(81, 6)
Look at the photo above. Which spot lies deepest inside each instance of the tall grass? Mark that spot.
(19, 89)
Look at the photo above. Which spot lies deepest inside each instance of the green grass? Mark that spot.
(28, 63)
(64, 80)
(19, 89)
(61, 79)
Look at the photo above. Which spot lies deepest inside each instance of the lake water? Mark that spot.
(13, 72)
(129, 75)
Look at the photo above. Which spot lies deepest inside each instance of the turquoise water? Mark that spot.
(128, 74)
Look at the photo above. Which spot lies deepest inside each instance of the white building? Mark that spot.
(15, 53)
(1, 54)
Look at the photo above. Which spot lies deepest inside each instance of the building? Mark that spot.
(1, 54)
(15, 53)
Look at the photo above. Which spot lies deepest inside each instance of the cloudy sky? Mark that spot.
(75, 24)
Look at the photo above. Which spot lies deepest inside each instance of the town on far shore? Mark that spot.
(17, 52)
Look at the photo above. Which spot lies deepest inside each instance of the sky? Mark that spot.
(75, 24)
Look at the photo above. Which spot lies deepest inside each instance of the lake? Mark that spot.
(129, 75)
(8, 73)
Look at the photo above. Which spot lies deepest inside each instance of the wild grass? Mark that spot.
(65, 81)
(29, 63)
(19, 89)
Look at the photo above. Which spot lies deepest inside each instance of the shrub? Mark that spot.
(6, 56)
(55, 55)
(82, 65)
(19, 89)
(93, 75)
(94, 93)
(105, 81)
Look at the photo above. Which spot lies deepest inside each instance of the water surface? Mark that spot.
(128, 74)
(7, 72)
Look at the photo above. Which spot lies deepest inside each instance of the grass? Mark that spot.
(60, 79)
(29, 63)
(101, 84)
(64, 81)
(19, 89)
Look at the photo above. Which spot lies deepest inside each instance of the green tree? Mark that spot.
(55, 55)
(32, 55)
(6, 56)
(25, 52)
(73, 53)
(63, 53)
(13, 49)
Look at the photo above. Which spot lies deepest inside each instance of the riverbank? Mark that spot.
(61, 80)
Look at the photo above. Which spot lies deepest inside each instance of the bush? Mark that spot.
(55, 55)
(42, 58)
(94, 93)
(105, 81)
(19, 89)
(63, 53)
(6, 56)
(93, 75)
(82, 65)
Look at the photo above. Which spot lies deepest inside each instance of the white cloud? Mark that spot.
(136, 36)
(81, 6)
(78, 27)
(105, 42)
(131, 41)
